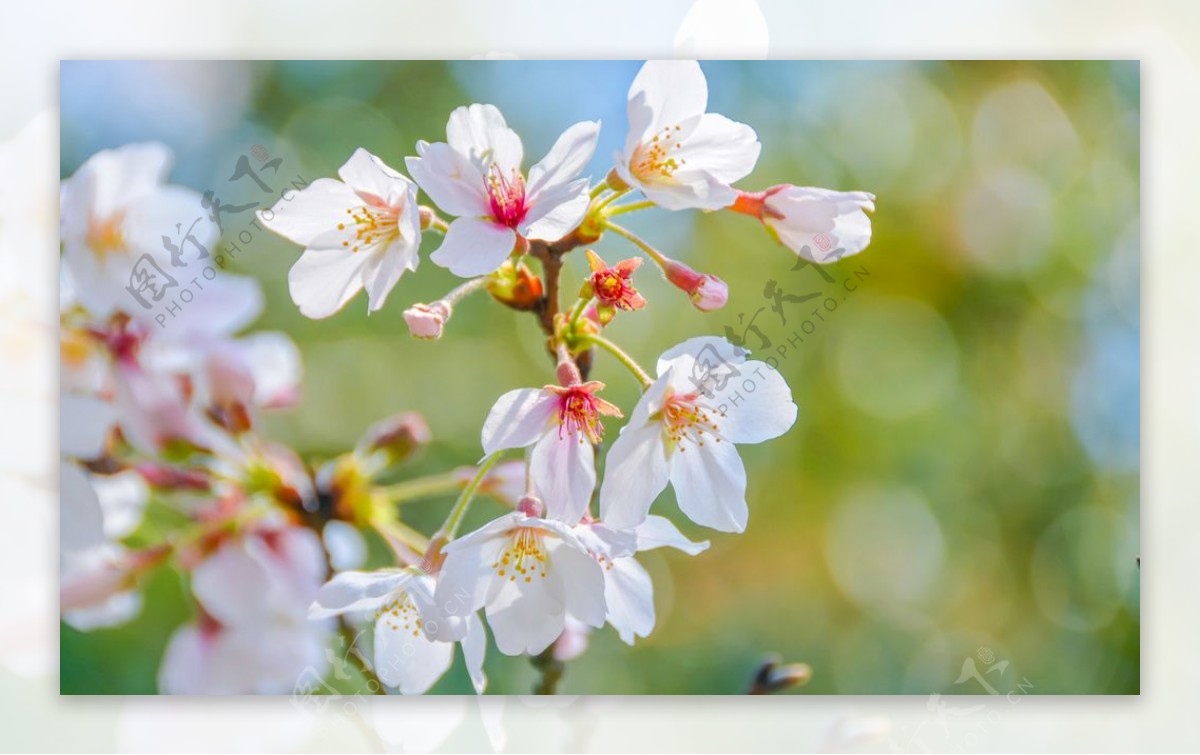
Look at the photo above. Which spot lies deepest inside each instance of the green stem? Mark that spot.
(450, 528)
(469, 287)
(632, 207)
(577, 312)
(629, 235)
(422, 487)
(597, 207)
(622, 357)
(597, 190)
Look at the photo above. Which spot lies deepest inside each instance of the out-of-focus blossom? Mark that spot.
(414, 638)
(116, 210)
(678, 155)
(683, 431)
(476, 175)
(528, 574)
(253, 635)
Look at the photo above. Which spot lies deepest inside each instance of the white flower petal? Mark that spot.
(635, 472)
(660, 532)
(710, 485)
(563, 468)
(474, 645)
(481, 133)
(583, 582)
(383, 270)
(558, 212)
(570, 154)
(526, 617)
(629, 595)
(822, 225)
(81, 520)
(719, 147)
(310, 217)
(517, 419)
(673, 91)
(322, 282)
(84, 425)
(467, 573)
(351, 591)
(453, 183)
(474, 247)
(752, 415)
(366, 173)
(405, 658)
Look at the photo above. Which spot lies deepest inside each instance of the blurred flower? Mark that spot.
(676, 154)
(528, 574)
(561, 423)
(414, 639)
(252, 635)
(476, 175)
(116, 210)
(688, 409)
(361, 232)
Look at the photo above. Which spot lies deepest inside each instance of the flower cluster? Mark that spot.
(164, 421)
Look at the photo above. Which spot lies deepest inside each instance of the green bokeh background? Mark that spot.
(963, 474)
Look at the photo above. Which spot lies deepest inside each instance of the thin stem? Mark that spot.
(608, 200)
(632, 207)
(577, 312)
(598, 189)
(422, 487)
(621, 356)
(649, 250)
(552, 671)
(450, 528)
(469, 287)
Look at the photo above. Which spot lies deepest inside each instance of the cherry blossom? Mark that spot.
(414, 639)
(476, 175)
(362, 232)
(706, 399)
(528, 574)
(561, 423)
(819, 225)
(676, 153)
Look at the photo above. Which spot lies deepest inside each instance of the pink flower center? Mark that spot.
(506, 197)
(686, 419)
(579, 411)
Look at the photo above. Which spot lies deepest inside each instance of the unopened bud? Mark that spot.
(707, 292)
(531, 506)
(398, 437)
(515, 286)
(425, 321)
(774, 676)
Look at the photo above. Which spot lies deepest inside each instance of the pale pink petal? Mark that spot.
(563, 467)
(351, 591)
(636, 471)
(710, 485)
(629, 596)
(451, 180)
(474, 247)
(481, 133)
(562, 164)
(517, 419)
(322, 282)
(660, 532)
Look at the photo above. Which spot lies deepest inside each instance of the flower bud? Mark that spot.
(515, 286)
(397, 437)
(531, 506)
(426, 321)
(707, 292)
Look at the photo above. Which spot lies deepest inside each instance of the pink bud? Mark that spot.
(531, 506)
(707, 292)
(426, 320)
